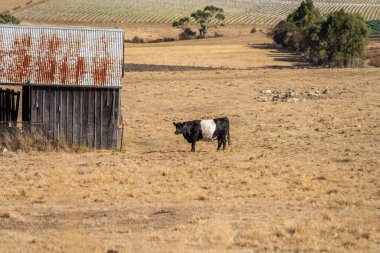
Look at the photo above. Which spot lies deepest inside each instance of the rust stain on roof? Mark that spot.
(60, 56)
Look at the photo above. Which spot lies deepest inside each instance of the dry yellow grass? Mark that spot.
(234, 51)
(16, 5)
(298, 177)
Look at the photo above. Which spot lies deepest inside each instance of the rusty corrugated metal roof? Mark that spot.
(61, 56)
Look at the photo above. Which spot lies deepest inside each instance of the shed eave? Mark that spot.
(63, 28)
(63, 86)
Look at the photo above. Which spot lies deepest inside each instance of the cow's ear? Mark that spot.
(174, 124)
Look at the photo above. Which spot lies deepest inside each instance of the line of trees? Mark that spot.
(335, 41)
(209, 17)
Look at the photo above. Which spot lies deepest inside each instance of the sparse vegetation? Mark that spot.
(162, 40)
(23, 141)
(6, 18)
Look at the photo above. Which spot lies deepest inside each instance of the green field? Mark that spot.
(374, 25)
(263, 12)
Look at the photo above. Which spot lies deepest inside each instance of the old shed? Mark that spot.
(71, 82)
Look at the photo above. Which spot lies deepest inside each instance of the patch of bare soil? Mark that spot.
(298, 176)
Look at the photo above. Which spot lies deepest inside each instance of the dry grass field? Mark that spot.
(238, 12)
(16, 5)
(298, 177)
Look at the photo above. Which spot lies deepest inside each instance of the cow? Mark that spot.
(208, 129)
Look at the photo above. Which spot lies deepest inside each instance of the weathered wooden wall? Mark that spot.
(9, 103)
(84, 116)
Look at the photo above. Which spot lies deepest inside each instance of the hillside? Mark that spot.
(238, 12)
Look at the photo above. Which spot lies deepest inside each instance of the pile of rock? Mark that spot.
(313, 93)
(291, 96)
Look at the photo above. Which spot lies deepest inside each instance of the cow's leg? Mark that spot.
(223, 139)
(219, 143)
(193, 146)
(224, 142)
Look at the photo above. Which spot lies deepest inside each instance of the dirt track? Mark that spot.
(298, 176)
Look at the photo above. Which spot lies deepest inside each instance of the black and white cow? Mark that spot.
(209, 129)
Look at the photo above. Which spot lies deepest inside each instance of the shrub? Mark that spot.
(137, 39)
(6, 18)
(162, 40)
(217, 35)
(25, 141)
(283, 32)
(187, 34)
(375, 62)
(182, 24)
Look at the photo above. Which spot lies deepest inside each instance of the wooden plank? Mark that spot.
(80, 116)
(63, 115)
(107, 119)
(53, 110)
(101, 132)
(99, 118)
(40, 105)
(1, 105)
(59, 112)
(17, 105)
(7, 105)
(118, 117)
(85, 116)
(95, 114)
(76, 116)
(91, 118)
(96, 119)
(12, 105)
(26, 108)
(114, 124)
(2, 114)
(70, 105)
(110, 122)
(33, 107)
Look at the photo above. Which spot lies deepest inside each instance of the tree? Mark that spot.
(283, 32)
(315, 47)
(345, 36)
(182, 24)
(338, 41)
(210, 16)
(6, 18)
(305, 15)
(291, 32)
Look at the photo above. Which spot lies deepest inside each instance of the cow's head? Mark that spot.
(178, 127)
